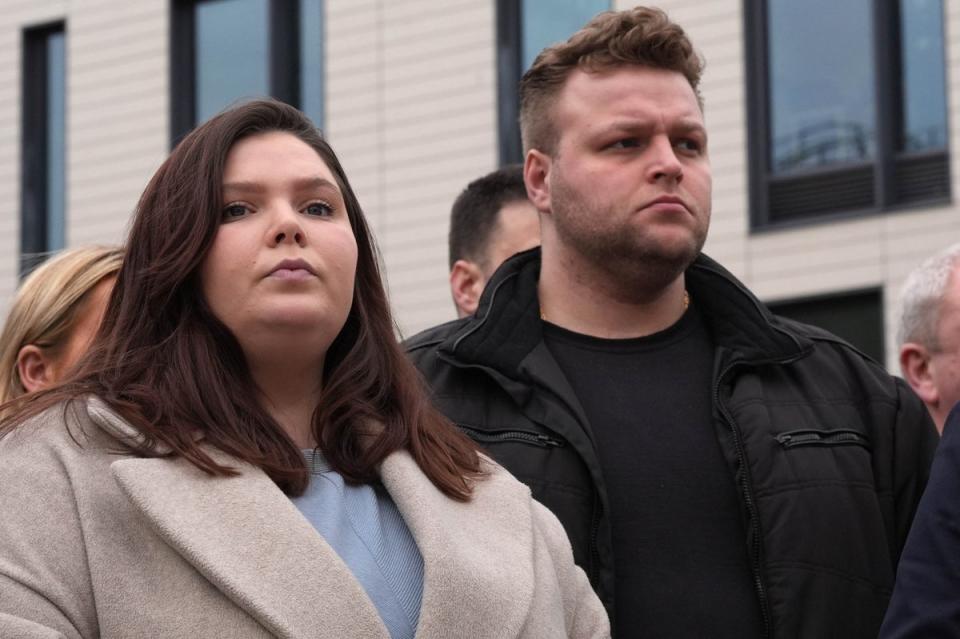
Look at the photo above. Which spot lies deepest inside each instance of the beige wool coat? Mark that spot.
(95, 542)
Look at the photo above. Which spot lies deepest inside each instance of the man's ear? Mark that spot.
(466, 284)
(536, 176)
(915, 363)
(34, 367)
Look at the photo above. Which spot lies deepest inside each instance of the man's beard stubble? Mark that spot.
(633, 260)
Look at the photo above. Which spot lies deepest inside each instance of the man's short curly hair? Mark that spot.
(640, 36)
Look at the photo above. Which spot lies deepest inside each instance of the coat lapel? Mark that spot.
(246, 537)
(478, 557)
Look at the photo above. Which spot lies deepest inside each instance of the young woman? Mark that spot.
(245, 451)
(54, 316)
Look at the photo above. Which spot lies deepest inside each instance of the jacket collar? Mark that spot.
(506, 327)
(249, 540)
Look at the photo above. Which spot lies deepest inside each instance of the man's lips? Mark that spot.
(292, 270)
(667, 202)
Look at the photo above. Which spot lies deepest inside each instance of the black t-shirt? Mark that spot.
(679, 545)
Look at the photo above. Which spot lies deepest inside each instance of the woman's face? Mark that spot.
(280, 272)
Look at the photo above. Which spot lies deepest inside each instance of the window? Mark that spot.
(524, 28)
(43, 176)
(847, 107)
(857, 317)
(228, 50)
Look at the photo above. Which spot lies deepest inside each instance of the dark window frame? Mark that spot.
(847, 295)
(509, 72)
(284, 63)
(893, 181)
(510, 69)
(34, 179)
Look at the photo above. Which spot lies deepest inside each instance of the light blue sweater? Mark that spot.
(364, 527)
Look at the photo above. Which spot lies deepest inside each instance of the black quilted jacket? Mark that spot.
(830, 453)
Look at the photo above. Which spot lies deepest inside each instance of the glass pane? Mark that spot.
(311, 60)
(232, 48)
(56, 140)
(856, 317)
(924, 94)
(822, 102)
(547, 22)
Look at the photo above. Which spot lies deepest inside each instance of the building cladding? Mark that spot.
(411, 101)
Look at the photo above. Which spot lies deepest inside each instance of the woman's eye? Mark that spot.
(235, 211)
(318, 209)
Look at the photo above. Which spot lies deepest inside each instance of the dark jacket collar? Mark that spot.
(507, 326)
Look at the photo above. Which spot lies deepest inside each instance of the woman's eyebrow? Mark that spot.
(244, 187)
(301, 184)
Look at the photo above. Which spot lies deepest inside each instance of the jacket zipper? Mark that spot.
(527, 437)
(747, 491)
(594, 546)
(821, 438)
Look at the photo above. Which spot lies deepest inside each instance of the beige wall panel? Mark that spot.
(438, 61)
(118, 121)
(354, 93)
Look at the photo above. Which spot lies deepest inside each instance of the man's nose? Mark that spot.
(664, 163)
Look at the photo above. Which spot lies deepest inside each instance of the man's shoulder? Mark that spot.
(823, 342)
(431, 338)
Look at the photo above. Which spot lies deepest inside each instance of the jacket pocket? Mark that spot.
(811, 437)
(510, 435)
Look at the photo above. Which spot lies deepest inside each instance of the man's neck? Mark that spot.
(585, 300)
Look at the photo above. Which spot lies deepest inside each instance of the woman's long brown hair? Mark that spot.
(163, 361)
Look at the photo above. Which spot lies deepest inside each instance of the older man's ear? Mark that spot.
(917, 368)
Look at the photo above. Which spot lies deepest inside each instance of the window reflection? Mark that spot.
(56, 133)
(821, 74)
(232, 53)
(924, 94)
(547, 22)
(311, 59)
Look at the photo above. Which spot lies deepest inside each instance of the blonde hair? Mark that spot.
(45, 309)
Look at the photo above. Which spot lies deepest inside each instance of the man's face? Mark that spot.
(628, 185)
(945, 360)
(517, 229)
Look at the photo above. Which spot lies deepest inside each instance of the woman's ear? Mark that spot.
(34, 367)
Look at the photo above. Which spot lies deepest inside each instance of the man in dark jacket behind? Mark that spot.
(721, 472)
(926, 600)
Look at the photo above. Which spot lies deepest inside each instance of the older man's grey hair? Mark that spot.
(921, 298)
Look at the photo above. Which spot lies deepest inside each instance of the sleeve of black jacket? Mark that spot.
(926, 597)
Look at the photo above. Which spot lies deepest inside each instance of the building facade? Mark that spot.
(831, 126)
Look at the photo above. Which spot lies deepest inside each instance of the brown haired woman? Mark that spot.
(245, 452)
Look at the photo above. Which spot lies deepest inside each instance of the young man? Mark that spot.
(929, 333)
(491, 220)
(720, 471)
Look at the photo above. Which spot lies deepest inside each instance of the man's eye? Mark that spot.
(318, 209)
(235, 211)
(626, 143)
(689, 145)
